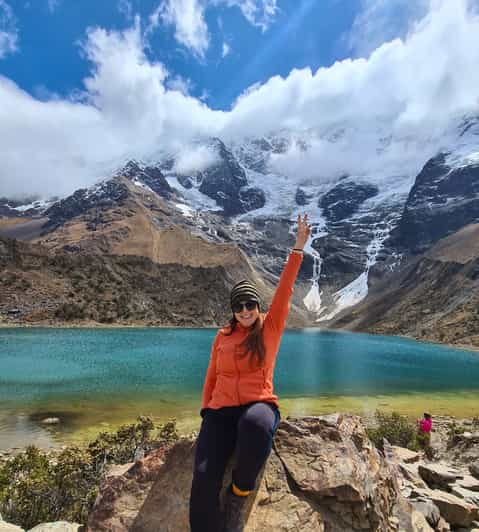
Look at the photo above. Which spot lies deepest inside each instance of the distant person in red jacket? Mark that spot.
(239, 408)
(424, 430)
(425, 424)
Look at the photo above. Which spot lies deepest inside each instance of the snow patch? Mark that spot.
(357, 290)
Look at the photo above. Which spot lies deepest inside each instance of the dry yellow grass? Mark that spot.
(9, 222)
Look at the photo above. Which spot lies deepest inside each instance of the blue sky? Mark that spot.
(87, 84)
(302, 33)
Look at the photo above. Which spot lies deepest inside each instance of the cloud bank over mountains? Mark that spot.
(404, 94)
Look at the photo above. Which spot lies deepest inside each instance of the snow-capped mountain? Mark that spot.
(24, 207)
(365, 223)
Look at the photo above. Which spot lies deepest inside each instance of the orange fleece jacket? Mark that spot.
(231, 380)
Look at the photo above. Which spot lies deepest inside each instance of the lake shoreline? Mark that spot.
(368, 421)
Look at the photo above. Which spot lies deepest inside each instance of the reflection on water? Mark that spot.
(17, 430)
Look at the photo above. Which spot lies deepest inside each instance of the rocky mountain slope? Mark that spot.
(41, 286)
(435, 296)
(188, 207)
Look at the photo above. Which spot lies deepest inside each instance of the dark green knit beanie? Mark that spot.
(245, 291)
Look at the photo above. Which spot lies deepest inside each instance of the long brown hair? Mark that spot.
(253, 343)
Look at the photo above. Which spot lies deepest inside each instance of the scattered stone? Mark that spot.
(474, 469)
(468, 482)
(455, 511)
(428, 509)
(405, 455)
(117, 470)
(468, 495)
(58, 526)
(411, 475)
(443, 526)
(438, 475)
(408, 518)
(50, 420)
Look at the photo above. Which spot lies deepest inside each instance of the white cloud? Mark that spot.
(380, 21)
(53, 4)
(8, 30)
(383, 114)
(188, 19)
(194, 159)
(177, 83)
(54, 147)
(260, 13)
(187, 16)
(125, 8)
(226, 49)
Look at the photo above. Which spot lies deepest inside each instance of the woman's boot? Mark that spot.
(235, 512)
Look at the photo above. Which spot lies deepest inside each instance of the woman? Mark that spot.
(239, 408)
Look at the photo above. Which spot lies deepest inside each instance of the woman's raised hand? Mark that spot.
(303, 232)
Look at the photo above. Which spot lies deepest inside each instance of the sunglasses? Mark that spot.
(248, 305)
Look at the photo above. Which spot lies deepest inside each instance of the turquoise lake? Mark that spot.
(95, 379)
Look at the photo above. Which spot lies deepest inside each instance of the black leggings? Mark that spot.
(251, 428)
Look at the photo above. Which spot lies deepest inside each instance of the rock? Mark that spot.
(411, 475)
(405, 455)
(419, 523)
(466, 438)
(468, 495)
(301, 197)
(438, 475)
(442, 526)
(105, 194)
(224, 179)
(122, 496)
(455, 511)
(474, 469)
(58, 526)
(117, 470)
(428, 509)
(252, 198)
(442, 200)
(468, 482)
(323, 474)
(50, 420)
(7, 527)
(408, 518)
(345, 199)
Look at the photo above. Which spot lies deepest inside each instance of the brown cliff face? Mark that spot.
(322, 475)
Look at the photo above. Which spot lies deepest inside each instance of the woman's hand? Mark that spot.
(304, 230)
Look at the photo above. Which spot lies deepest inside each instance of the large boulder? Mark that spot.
(323, 474)
(438, 476)
(454, 510)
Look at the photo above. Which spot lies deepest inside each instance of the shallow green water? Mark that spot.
(97, 378)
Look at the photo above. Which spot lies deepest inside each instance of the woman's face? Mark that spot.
(246, 312)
